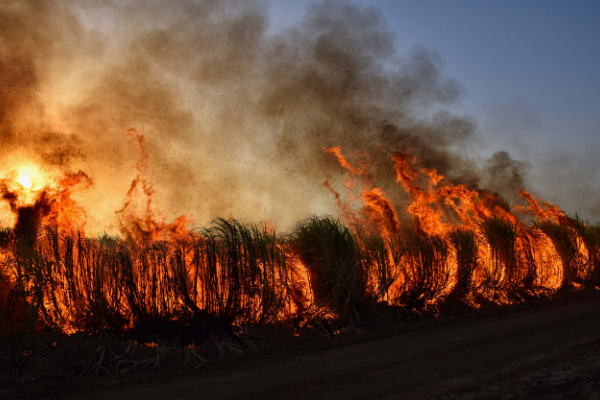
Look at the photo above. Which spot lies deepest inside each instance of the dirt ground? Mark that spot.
(546, 350)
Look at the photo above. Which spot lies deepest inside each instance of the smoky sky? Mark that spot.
(236, 116)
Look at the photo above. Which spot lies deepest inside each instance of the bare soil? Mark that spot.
(548, 349)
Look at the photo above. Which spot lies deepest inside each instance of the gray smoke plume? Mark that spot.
(236, 118)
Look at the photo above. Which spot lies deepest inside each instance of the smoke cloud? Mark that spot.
(236, 117)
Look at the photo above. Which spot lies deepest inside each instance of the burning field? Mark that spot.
(126, 128)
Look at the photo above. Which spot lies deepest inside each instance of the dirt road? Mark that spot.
(414, 365)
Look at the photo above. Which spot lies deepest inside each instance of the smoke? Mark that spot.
(571, 179)
(236, 118)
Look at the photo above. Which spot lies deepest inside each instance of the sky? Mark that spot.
(530, 72)
(545, 54)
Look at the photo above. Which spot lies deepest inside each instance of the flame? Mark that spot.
(455, 242)
(24, 180)
(378, 210)
(141, 220)
(509, 253)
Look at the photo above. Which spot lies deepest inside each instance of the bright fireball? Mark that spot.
(24, 180)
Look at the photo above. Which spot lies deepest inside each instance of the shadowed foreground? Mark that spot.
(415, 365)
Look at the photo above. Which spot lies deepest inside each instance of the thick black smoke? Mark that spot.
(236, 116)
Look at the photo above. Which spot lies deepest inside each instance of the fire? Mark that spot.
(406, 235)
(25, 177)
(452, 244)
(509, 252)
(25, 180)
(141, 220)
